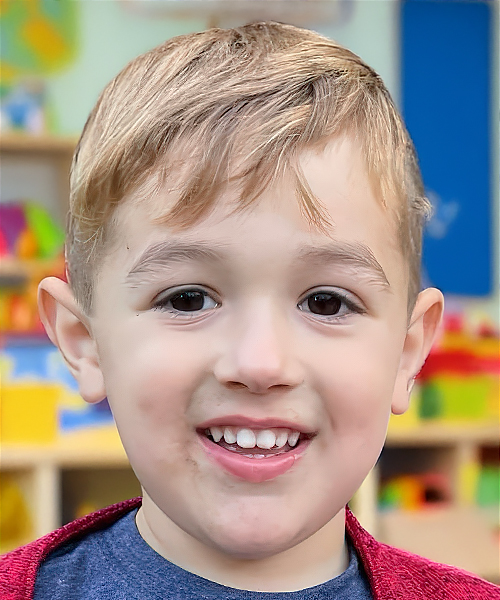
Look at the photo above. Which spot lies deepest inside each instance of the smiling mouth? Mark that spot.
(254, 453)
(256, 443)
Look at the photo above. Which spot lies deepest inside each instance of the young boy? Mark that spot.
(243, 260)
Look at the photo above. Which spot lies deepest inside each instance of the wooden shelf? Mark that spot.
(89, 448)
(29, 268)
(442, 434)
(26, 143)
(41, 467)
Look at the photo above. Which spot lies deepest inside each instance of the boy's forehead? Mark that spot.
(336, 175)
(341, 154)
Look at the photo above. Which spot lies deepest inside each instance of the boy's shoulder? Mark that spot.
(18, 568)
(395, 574)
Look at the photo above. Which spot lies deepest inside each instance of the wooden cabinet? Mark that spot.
(455, 530)
(63, 477)
(34, 169)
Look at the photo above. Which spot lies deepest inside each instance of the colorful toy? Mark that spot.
(29, 412)
(29, 231)
(488, 488)
(460, 379)
(19, 312)
(415, 491)
(40, 397)
(15, 520)
(22, 107)
(12, 224)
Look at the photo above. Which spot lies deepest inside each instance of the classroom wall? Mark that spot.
(110, 35)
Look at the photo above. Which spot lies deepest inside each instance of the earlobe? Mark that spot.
(420, 336)
(68, 328)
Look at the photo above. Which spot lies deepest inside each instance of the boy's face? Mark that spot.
(254, 321)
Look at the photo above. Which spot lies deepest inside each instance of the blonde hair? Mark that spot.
(265, 91)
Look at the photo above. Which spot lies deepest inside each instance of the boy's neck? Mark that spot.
(317, 559)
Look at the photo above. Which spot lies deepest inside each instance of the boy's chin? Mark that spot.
(243, 544)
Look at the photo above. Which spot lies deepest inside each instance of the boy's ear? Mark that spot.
(420, 336)
(68, 328)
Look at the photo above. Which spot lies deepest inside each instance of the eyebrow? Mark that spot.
(163, 254)
(357, 255)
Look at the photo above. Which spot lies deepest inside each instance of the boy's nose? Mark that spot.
(259, 355)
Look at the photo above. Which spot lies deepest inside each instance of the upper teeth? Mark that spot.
(249, 438)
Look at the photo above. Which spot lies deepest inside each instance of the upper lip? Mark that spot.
(254, 423)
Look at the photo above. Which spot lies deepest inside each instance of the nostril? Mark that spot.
(235, 385)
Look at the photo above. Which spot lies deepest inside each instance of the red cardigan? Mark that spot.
(393, 574)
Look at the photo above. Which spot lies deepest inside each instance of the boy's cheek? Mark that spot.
(360, 372)
(151, 386)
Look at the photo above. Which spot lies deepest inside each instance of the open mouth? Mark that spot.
(252, 449)
(256, 443)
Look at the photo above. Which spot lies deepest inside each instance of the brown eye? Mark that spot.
(185, 302)
(324, 304)
(188, 301)
(333, 307)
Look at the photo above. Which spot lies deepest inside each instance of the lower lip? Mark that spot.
(254, 470)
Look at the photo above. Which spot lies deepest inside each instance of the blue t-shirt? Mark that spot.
(117, 564)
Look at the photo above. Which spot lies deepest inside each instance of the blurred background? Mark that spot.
(435, 490)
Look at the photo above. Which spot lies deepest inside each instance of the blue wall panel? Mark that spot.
(446, 88)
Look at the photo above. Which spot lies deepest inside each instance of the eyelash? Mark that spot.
(163, 300)
(344, 301)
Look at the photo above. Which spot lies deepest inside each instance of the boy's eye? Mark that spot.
(185, 301)
(324, 304)
(330, 304)
(188, 301)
